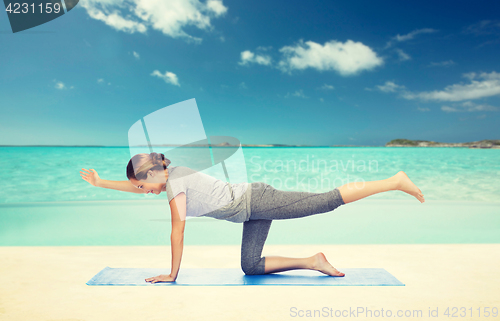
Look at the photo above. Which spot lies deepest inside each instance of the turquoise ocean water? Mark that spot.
(44, 201)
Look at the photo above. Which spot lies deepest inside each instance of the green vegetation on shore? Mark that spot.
(401, 142)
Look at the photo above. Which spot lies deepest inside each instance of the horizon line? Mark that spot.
(242, 145)
(268, 145)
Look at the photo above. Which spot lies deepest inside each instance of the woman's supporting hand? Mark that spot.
(91, 176)
(161, 278)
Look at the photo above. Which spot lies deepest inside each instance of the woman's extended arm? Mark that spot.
(93, 178)
(178, 210)
(124, 186)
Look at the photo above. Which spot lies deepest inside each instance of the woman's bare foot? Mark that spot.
(320, 263)
(407, 186)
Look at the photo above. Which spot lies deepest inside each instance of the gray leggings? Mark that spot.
(268, 204)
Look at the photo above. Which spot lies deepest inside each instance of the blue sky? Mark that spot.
(279, 72)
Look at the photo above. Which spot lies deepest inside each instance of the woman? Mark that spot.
(192, 193)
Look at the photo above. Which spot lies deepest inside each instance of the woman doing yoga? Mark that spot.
(256, 205)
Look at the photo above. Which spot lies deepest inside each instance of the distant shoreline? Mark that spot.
(401, 142)
(495, 144)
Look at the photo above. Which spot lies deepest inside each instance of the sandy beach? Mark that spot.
(48, 283)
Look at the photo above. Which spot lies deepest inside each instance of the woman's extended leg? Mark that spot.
(268, 203)
(354, 191)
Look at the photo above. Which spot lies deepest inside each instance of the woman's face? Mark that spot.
(155, 182)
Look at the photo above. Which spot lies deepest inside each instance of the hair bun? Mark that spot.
(156, 158)
(159, 160)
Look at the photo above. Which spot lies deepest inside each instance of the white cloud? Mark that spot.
(468, 106)
(136, 55)
(403, 56)
(169, 77)
(347, 58)
(297, 93)
(390, 87)
(249, 57)
(448, 109)
(169, 17)
(408, 36)
(264, 48)
(423, 109)
(480, 86)
(60, 85)
(412, 34)
(327, 87)
(485, 27)
(321, 99)
(216, 7)
(470, 75)
(442, 63)
(112, 17)
(243, 85)
(101, 81)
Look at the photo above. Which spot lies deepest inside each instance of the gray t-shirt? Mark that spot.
(209, 196)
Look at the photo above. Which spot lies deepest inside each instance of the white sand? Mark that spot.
(48, 283)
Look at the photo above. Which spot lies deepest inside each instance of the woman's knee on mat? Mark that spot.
(253, 266)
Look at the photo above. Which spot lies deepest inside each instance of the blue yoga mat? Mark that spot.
(212, 276)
